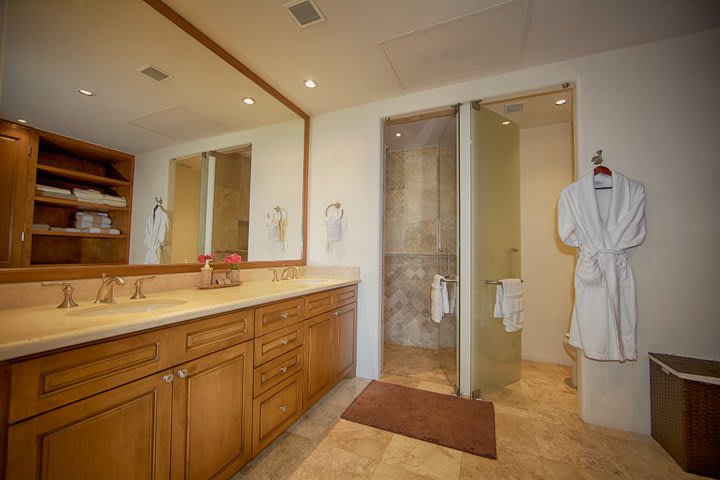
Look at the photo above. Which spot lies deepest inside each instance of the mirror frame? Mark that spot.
(34, 274)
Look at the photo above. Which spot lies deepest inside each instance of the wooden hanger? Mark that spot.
(600, 169)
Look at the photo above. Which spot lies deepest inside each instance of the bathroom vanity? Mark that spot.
(193, 389)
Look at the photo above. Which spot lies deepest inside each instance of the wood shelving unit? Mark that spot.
(67, 163)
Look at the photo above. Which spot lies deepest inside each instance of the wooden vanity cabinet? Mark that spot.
(330, 342)
(195, 400)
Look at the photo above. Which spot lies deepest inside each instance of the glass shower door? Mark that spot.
(447, 247)
(496, 359)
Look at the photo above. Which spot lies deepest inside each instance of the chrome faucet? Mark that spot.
(105, 294)
(290, 273)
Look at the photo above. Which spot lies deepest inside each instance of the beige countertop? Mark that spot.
(26, 331)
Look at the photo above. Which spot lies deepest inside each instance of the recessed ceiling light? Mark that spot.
(20, 120)
(506, 122)
(310, 83)
(398, 134)
(562, 101)
(248, 100)
(87, 93)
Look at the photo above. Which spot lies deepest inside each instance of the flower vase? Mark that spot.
(235, 276)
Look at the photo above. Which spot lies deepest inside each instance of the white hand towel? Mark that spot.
(451, 292)
(333, 226)
(272, 225)
(436, 299)
(509, 304)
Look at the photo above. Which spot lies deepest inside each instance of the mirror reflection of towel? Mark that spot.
(272, 225)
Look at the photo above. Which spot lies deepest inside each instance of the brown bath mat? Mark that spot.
(459, 423)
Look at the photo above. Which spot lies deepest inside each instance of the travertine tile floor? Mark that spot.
(539, 436)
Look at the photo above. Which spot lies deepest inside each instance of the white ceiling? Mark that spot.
(368, 50)
(53, 48)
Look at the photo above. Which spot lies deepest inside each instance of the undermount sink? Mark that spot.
(142, 306)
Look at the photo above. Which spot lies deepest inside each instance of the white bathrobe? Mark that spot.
(605, 312)
(156, 227)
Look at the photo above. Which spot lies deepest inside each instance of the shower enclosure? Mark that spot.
(495, 244)
(420, 234)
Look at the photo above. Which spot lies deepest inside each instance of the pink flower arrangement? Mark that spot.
(233, 260)
(208, 257)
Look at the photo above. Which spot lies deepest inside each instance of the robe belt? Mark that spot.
(589, 252)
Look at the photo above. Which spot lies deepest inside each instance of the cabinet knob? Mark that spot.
(283, 369)
(168, 378)
(283, 408)
(182, 373)
(284, 315)
(284, 341)
(337, 314)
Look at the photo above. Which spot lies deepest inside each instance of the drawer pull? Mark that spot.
(283, 408)
(284, 341)
(284, 315)
(283, 369)
(337, 313)
(168, 378)
(182, 373)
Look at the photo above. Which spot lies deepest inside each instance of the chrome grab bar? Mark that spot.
(497, 282)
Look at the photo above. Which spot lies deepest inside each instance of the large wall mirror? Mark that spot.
(220, 158)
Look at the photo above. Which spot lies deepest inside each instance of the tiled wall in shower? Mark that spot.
(419, 198)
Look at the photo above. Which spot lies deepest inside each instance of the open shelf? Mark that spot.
(77, 234)
(81, 176)
(77, 204)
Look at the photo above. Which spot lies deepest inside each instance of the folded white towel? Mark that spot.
(46, 188)
(40, 226)
(66, 196)
(449, 295)
(436, 299)
(333, 225)
(87, 193)
(63, 229)
(509, 304)
(111, 231)
(84, 214)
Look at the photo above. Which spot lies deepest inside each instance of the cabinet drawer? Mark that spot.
(275, 371)
(195, 339)
(325, 301)
(277, 343)
(41, 384)
(275, 410)
(278, 315)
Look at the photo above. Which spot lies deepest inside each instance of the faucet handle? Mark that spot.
(68, 290)
(138, 286)
(275, 274)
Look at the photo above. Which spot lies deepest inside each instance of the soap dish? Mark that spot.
(222, 285)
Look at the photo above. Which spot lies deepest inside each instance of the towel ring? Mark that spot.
(279, 210)
(336, 205)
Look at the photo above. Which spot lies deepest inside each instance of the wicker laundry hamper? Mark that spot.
(685, 411)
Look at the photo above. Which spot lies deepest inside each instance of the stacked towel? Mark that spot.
(114, 201)
(92, 219)
(40, 226)
(111, 231)
(88, 195)
(63, 229)
(438, 298)
(55, 192)
(509, 304)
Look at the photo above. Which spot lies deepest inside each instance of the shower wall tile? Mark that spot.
(408, 279)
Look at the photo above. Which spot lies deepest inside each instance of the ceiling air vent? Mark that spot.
(305, 12)
(514, 107)
(154, 73)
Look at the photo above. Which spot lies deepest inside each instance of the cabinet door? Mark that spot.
(212, 414)
(346, 319)
(14, 159)
(120, 434)
(319, 365)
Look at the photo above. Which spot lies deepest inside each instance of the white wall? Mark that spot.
(547, 264)
(275, 179)
(654, 109)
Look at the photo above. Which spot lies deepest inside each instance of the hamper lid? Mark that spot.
(696, 369)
